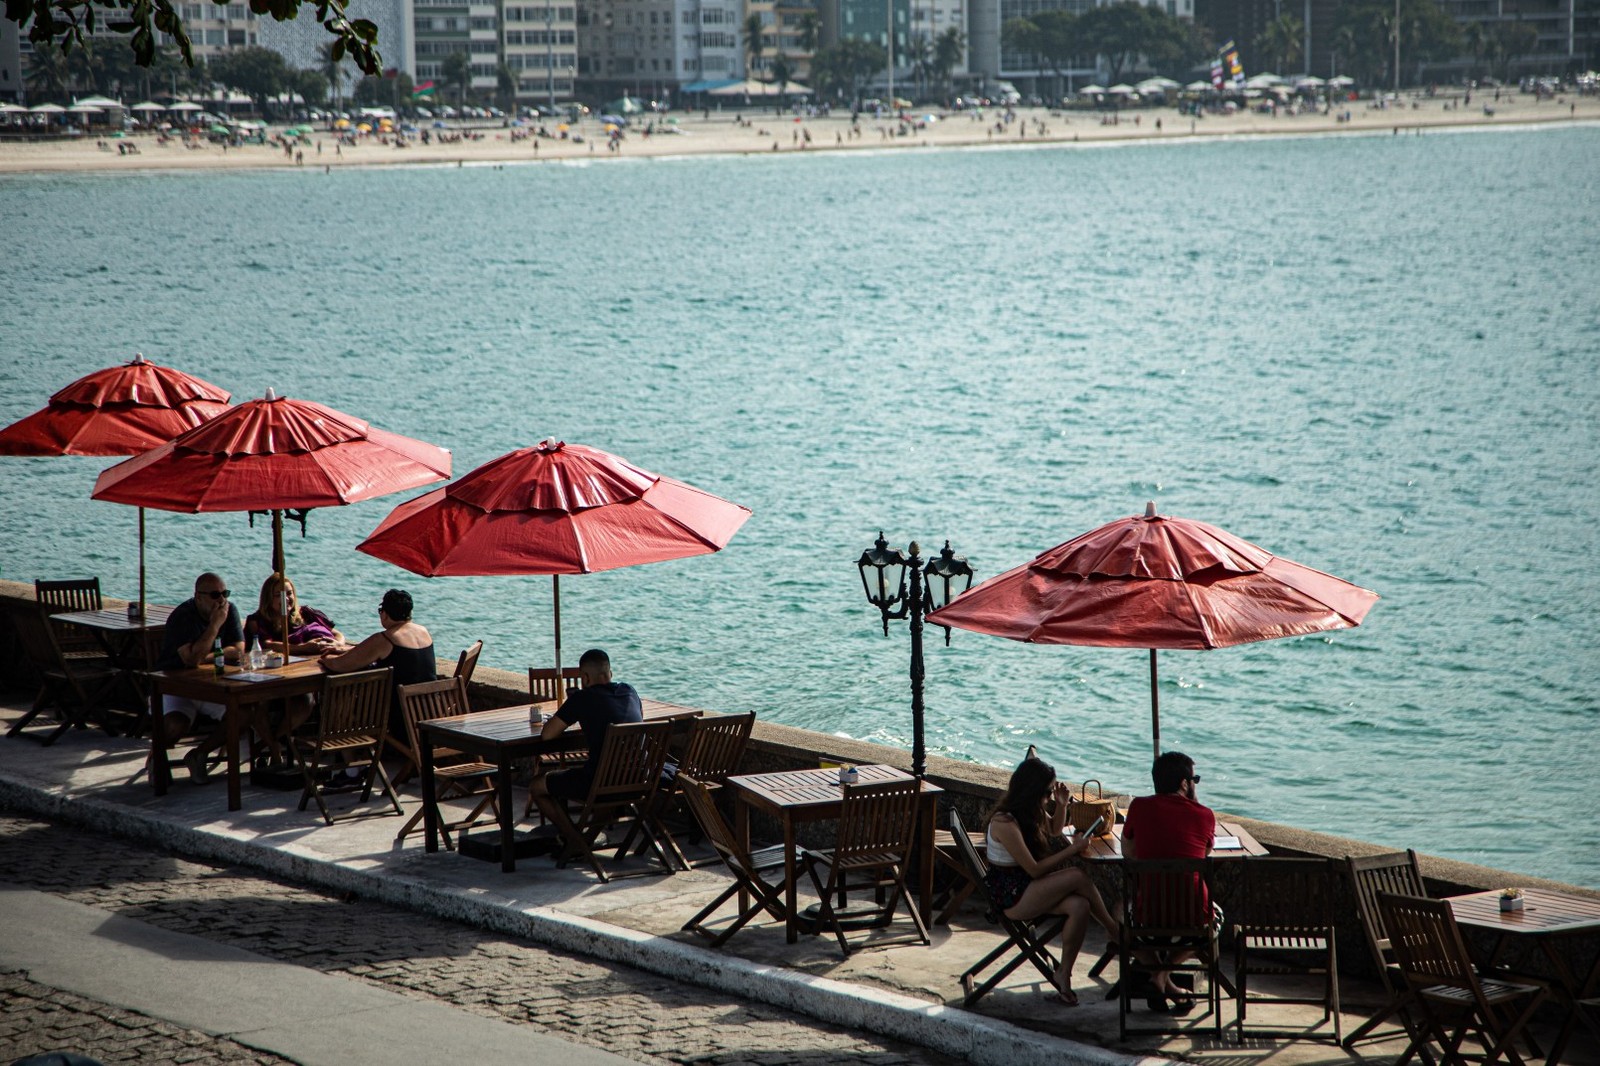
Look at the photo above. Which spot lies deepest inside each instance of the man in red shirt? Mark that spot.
(1172, 824)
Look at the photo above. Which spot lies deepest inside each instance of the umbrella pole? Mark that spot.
(141, 566)
(283, 590)
(555, 603)
(1155, 706)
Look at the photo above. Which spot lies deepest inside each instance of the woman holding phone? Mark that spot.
(1029, 872)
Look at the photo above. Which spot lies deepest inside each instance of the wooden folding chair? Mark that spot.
(75, 594)
(746, 867)
(1166, 912)
(467, 663)
(1286, 929)
(354, 716)
(1025, 941)
(625, 782)
(74, 688)
(544, 684)
(711, 751)
(455, 775)
(1448, 989)
(877, 823)
(1400, 874)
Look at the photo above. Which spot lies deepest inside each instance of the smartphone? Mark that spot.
(1094, 829)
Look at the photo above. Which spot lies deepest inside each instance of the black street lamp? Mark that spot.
(883, 576)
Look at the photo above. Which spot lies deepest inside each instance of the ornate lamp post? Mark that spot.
(930, 586)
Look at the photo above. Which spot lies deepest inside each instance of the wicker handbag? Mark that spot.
(1086, 808)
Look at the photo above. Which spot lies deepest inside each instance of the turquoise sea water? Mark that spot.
(1377, 356)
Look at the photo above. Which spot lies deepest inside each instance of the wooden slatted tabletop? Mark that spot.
(1543, 912)
(1109, 848)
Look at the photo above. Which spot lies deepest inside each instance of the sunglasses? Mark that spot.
(1195, 779)
(224, 594)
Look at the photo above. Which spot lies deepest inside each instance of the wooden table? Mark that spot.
(502, 736)
(299, 678)
(1109, 848)
(131, 644)
(796, 796)
(1547, 918)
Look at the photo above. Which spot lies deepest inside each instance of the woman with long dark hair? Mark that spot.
(1029, 875)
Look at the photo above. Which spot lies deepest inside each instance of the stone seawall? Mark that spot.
(969, 787)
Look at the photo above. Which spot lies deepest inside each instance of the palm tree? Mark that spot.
(1281, 42)
(753, 33)
(456, 69)
(810, 32)
(947, 49)
(332, 68)
(781, 73)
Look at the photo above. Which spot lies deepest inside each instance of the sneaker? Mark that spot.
(195, 762)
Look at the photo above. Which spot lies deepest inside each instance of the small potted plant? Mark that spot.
(1511, 899)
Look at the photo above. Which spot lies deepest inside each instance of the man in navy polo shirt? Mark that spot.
(601, 702)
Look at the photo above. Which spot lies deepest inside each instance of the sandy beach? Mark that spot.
(752, 132)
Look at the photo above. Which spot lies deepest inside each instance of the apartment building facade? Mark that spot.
(650, 49)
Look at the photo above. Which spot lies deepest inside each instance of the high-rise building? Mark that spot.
(651, 48)
(540, 45)
(303, 41)
(10, 61)
(458, 27)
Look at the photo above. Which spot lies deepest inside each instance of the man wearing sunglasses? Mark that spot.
(1172, 824)
(192, 632)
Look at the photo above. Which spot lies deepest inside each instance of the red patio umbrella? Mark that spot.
(555, 509)
(276, 455)
(1153, 582)
(121, 410)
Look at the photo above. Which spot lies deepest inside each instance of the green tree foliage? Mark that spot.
(1367, 30)
(333, 70)
(948, 48)
(1509, 42)
(257, 72)
(69, 24)
(1280, 44)
(810, 30)
(456, 70)
(1123, 32)
(841, 69)
(754, 43)
(312, 85)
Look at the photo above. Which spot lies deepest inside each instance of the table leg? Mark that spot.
(791, 898)
(231, 727)
(430, 796)
(508, 822)
(741, 827)
(160, 768)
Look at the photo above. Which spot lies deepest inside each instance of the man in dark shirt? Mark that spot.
(191, 635)
(598, 704)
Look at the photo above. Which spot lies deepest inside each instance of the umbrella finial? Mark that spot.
(550, 444)
(272, 394)
(138, 359)
(1150, 509)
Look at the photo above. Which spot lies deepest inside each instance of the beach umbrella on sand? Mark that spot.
(122, 410)
(554, 509)
(147, 105)
(276, 455)
(1153, 582)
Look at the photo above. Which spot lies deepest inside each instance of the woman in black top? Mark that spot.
(403, 645)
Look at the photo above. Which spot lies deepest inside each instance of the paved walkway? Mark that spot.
(102, 933)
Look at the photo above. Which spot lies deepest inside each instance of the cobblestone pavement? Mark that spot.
(640, 1016)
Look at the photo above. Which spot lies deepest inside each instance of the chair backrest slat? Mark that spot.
(1427, 942)
(715, 745)
(356, 704)
(1167, 895)
(37, 637)
(716, 828)
(75, 594)
(631, 758)
(1397, 873)
(1287, 897)
(976, 865)
(468, 662)
(876, 817)
(543, 684)
(428, 700)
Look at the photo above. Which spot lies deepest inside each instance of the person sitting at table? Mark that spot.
(1029, 875)
(600, 702)
(310, 633)
(402, 645)
(191, 635)
(1172, 824)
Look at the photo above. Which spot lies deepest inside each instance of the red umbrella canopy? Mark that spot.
(1152, 581)
(122, 410)
(554, 508)
(273, 454)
